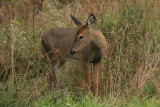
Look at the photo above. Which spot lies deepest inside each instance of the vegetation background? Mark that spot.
(130, 74)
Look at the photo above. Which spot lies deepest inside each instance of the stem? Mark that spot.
(12, 51)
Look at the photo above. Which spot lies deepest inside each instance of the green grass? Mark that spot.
(153, 102)
(68, 100)
(130, 79)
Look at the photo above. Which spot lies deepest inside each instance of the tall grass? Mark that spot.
(130, 74)
(132, 34)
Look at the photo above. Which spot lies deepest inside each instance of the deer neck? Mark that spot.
(99, 42)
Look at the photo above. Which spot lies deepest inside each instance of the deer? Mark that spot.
(84, 44)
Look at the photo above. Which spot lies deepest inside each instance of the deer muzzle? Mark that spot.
(73, 51)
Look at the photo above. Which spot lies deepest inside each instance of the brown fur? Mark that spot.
(80, 30)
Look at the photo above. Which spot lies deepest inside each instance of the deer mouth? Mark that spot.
(72, 52)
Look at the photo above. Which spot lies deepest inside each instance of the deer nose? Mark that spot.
(72, 52)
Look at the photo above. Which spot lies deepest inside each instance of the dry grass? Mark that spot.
(131, 29)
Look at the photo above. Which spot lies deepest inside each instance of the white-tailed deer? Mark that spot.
(85, 44)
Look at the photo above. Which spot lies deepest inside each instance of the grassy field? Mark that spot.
(130, 74)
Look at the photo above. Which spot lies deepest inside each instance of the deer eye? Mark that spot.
(80, 37)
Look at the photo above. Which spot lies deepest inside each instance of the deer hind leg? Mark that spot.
(57, 69)
(96, 78)
(52, 56)
(52, 75)
(87, 76)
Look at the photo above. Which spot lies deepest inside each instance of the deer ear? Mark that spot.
(76, 21)
(91, 20)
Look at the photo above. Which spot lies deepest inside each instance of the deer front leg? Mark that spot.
(96, 78)
(87, 76)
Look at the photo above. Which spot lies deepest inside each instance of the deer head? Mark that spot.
(83, 35)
